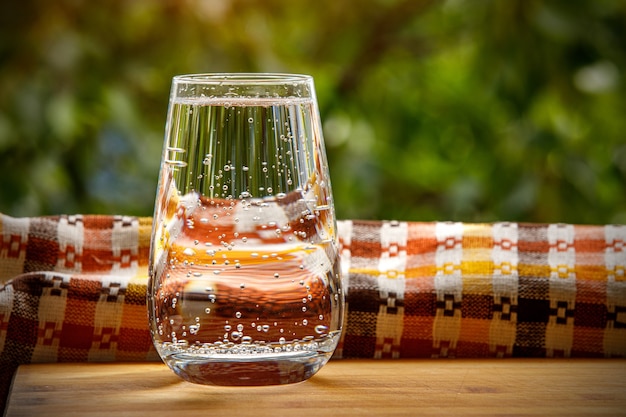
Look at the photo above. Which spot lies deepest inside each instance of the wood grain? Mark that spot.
(509, 387)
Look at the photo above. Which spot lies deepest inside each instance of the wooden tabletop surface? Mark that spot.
(508, 387)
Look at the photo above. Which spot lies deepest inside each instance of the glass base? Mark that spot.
(247, 370)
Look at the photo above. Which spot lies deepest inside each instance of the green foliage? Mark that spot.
(448, 110)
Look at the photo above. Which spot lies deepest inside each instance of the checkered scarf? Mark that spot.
(72, 289)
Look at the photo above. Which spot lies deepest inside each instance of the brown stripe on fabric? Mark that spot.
(530, 340)
(418, 328)
(416, 347)
(135, 294)
(417, 303)
(590, 315)
(363, 294)
(532, 309)
(359, 346)
(21, 329)
(465, 349)
(42, 250)
(366, 230)
(133, 339)
(477, 306)
(98, 222)
(361, 323)
(591, 291)
(587, 342)
(365, 249)
(84, 290)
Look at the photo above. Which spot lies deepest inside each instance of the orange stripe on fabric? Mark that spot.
(421, 239)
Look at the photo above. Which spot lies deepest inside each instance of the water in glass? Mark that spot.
(245, 284)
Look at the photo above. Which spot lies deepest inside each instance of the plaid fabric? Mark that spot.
(74, 290)
(440, 290)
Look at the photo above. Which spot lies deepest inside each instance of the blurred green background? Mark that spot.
(433, 110)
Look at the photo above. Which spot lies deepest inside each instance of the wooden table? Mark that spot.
(509, 387)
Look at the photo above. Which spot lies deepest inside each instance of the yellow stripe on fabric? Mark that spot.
(420, 272)
(366, 271)
(481, 268)
(528, 270)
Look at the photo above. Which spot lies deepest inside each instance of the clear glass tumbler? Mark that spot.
(245, 285)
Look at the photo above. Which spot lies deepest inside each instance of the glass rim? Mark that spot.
(242, 78)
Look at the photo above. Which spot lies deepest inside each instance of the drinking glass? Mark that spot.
(245, 285)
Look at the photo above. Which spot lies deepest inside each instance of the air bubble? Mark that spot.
(320, 329)
(240, 327)
(189, 252)
(238, 314)
(282, 340)
(305, 322)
